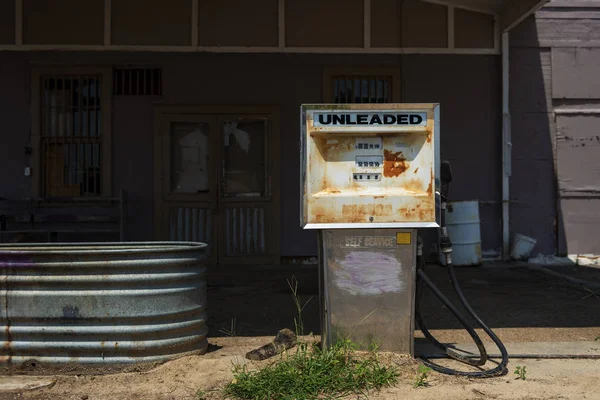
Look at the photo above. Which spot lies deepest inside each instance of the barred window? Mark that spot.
(71, 135)
(361, 89)
(361, 85)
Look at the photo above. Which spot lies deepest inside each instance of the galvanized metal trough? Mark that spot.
(102, 303)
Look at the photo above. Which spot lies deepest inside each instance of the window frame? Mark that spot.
(105, 73)
(388, 71)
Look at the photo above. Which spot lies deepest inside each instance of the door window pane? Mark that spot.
(189, 157)
(244, 158)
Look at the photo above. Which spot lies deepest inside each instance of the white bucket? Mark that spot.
(464, 230)
(521, 247)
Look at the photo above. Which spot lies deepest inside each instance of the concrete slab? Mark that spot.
(20, 383)
(583, 349)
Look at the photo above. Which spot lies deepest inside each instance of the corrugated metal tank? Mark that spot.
(102, 303)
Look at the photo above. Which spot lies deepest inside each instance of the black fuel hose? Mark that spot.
(467, 359)
(446, 246)
(498, 370)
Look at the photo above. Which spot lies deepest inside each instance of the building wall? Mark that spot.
(555, 110)
(467, 86)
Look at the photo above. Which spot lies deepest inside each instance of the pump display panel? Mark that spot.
(370, 166)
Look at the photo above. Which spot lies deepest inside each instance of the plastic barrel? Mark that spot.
(464, 229)
(522, 247)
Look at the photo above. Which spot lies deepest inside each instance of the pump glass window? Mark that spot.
(189, 157)
(244, 164)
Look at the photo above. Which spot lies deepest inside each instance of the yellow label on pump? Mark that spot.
(403, 237)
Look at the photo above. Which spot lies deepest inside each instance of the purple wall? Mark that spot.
(468, 88)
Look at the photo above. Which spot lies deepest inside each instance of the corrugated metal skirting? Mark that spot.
(102, 303)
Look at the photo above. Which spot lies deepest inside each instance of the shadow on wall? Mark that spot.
(533, 184)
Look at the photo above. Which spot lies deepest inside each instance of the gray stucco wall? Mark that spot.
(468, 88)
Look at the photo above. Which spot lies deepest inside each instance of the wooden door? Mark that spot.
(188, 184)
(216, 184)
(246, 200)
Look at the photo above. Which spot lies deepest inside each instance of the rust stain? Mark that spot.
(429, 188)
(7, 347)
(379, 197)
(414, 185)
(321, 215)
(429, 137)
(417, 213)
(416, 170)
(394, 164)
(362, 212)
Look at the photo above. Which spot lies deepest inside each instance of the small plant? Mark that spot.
(422, 376)
(231, 332)
(298, 323)
(312, 373)
(521, 372)
(597, 338)
(201, 395)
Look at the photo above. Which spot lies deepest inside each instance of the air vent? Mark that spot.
(137, 82)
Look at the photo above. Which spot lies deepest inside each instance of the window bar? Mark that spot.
(45, 166)
(248, 231)
(372, 90)
(84, 167)
(234, 230)
(144, 90)
(122, 77)
(335, 91)
(342, 90)
(152, 80)
(385, 91)
(94, 188)
(356, 89)
(365, 91)
(349, 94)
(71, 114)
(380, 91)
(130, 75)
(46, 113)
(159, 85)
(53, 105)
(241, 231)
(79, 105)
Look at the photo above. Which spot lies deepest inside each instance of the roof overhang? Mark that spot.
(509, 12)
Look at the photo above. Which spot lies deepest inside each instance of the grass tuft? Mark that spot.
(313, 373)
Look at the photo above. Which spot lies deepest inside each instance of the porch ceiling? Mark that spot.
(283, 26)
(511, 12)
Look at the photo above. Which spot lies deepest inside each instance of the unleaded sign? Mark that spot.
(370, 119)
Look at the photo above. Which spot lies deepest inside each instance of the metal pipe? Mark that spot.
(506, 146)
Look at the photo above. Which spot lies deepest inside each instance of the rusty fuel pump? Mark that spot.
(370, 177)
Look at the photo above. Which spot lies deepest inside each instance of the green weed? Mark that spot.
(422, 376)
(231, 332)
(521, 372)
(298, 322)
(313, 373)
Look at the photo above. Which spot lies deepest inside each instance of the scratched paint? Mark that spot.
(368, 273)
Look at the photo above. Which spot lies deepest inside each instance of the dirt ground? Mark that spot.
(184, 378)
(519, 304)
